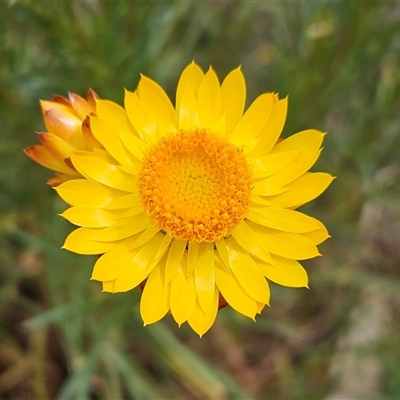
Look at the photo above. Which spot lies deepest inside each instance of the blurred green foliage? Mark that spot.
(340, 64)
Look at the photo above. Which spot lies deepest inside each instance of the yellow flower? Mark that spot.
(68, 130)
(195, 203)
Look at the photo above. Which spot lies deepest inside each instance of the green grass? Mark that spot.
(339, 62)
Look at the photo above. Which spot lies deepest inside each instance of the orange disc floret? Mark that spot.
(195, 185)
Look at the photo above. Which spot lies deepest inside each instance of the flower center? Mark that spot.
(195, 185)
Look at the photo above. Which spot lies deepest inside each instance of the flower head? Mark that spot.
(195, 203)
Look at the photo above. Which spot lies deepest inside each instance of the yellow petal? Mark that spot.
(188, 111)
(319, 235)
(82, 241)
(193, 255)
(84, 193)
(94, 166)
(132, 212)
(108, 135)
(246, 238)
(128, 201)
(123, 260)
(302, 190)
(266, 188)
(103, 154)
(201, 321)
(141, 117)
(107, 110)
(146, 235)
(260, 307)
(271, 163)
(130, 169)
(108, 286)
(157, 101)
(154, 303)
(183, 294)
(191, 77)
(300, 165)
(233, 98)
(139, 266)
(309, 139)
(222, 252)
(285, 244)
(43, 157)
(257, 200)
(114, 262)
(175, 255)
(282, 219)
(89, 217)
(135, 146)
(284, 271)
(124, 228)
(159, 254)
(233, 292)
(272, 130)
(220, 126)
(209, 100)
(246, 272)
(155, 97)
(253, 120)
(205, 276)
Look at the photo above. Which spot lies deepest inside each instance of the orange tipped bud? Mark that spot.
(58, 147)
(66, 125)
(92, 98)
(90, 140)
(42, 156)
(68, 128)
(80, 105)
